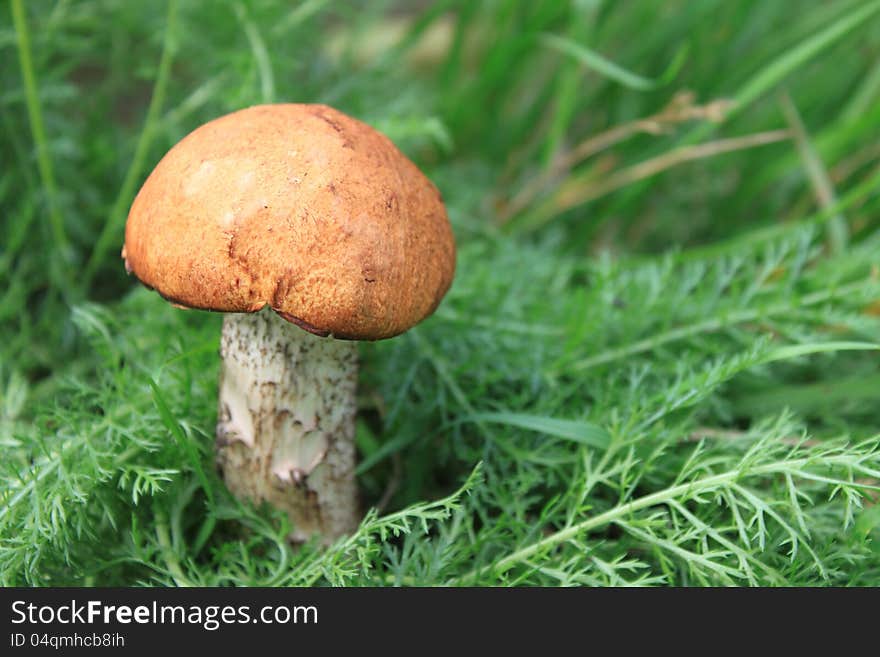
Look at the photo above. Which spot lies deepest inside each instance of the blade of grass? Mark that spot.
(797, 350)
(298, 16)
(441, 366)
(17, 235)
(578, 431)
(864, 190)
(836, 228)
(200, 95)
(865, 97)
(609, 69)
(38, 130)
(395, 445)
(680, 109)
(261, 55)
(807, 398)
(434, 12)
(185, 444)
(789, 61)
(567, 85)
(110, 232)
(452, 64)
(580, 189)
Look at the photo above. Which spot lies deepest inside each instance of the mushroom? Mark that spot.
(311, 230)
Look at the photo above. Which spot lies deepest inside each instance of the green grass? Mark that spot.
(658, 363)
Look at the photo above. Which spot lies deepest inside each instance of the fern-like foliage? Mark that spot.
(657, 364)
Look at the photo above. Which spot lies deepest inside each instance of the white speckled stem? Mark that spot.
(285, 431)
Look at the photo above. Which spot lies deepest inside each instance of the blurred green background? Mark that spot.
(668, 221)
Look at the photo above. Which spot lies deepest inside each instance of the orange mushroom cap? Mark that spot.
(298, 207)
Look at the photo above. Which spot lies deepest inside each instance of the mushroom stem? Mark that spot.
(285, 431)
